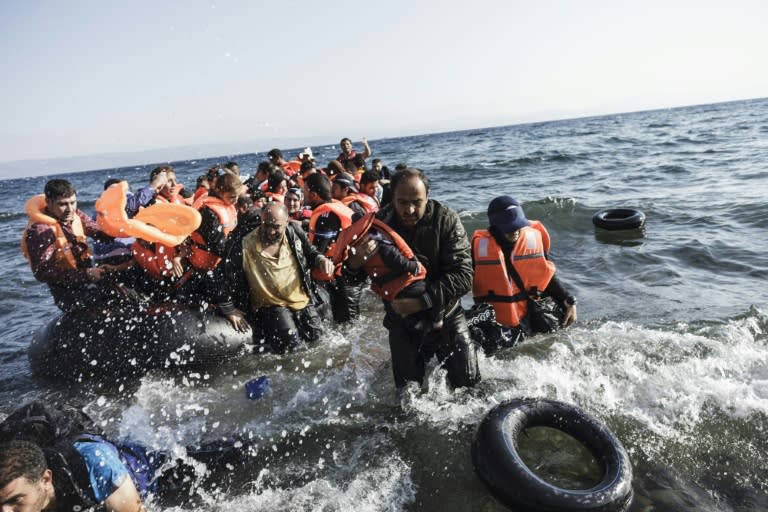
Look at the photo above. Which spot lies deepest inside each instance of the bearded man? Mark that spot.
(265, 284)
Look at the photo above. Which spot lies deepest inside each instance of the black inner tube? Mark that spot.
(501, 468)
(619, 218)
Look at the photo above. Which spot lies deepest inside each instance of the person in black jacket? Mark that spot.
(264, 281)
(437, 237)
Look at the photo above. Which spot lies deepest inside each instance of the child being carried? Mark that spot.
(394, 270)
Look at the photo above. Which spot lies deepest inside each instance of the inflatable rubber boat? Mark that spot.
(78, 347)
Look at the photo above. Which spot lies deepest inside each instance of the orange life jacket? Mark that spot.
(156, 259)
(63, 256)
(492, 282)
(227, 213)
(384, 282)
(338, 208)
(275, 197)
(200, 192)
(345, 217)
(291, 167)
(368, 203)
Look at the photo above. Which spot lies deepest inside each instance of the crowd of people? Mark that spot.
(294, 246)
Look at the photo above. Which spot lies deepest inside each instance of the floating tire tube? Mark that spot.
(499, 465)
(614, 219)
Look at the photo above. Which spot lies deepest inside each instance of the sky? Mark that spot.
(108, 77)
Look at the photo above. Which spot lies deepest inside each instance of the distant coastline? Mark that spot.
(84, 163)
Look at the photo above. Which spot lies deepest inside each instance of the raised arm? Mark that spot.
(366, 148)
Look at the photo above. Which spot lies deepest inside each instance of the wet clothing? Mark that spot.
(106, 472)
(70, 287)
(441, 245)
(497, 271)
(553, 290)
(280, 327)
(393, 276)
(346, 289)
(274, 281)
(90, 468)
(211, 236)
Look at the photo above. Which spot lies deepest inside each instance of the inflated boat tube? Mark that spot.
(614, 219)
(500, 467)
(77, 347)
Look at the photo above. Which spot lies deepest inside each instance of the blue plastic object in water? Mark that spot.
(255, 388)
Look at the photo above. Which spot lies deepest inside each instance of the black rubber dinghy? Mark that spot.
(74, 347)
(614, 219)
(500, 467)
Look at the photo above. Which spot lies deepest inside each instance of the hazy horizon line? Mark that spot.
(315, 140)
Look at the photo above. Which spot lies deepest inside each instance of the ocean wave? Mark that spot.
(10, 216)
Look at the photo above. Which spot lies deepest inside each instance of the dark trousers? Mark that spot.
(412, 348)
(285, 329)
(345, 295)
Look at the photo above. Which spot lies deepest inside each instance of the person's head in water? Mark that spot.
(26, 483)
(61, 200)
(410, 193)
(274, 219)
(506, 217)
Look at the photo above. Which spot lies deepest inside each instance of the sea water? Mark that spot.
(670, 349)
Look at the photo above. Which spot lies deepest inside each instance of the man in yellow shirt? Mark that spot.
(265, 282)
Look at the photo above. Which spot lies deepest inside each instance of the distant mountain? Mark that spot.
(44, 166)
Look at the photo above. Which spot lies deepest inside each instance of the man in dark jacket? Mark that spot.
(264, 281)
(437, 237)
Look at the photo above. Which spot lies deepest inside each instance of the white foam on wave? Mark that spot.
(664, 379)
(387, 486)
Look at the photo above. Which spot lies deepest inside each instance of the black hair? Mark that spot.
(213, 171)
(405, 174)
(266, 167)
(57, 188)
(231, 165)
(359, 161)
(244, 200)
(370, 176)
(275, 180)
(110, 182)
(334, 167)
(161, 168)
(274, 154)
(307, 165)
(320, 184)
(21, 459)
